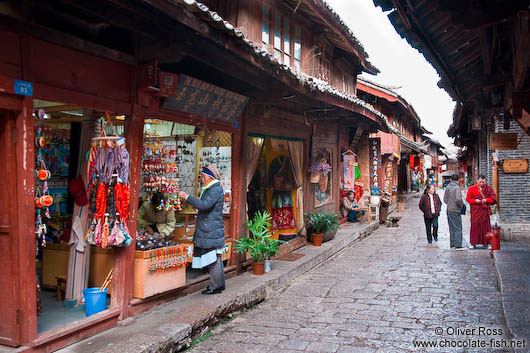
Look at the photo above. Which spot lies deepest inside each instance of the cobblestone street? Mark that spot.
(379, 295)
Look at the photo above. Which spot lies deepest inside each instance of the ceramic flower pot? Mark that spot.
(258, 268)
(317, 238)
(314, 178)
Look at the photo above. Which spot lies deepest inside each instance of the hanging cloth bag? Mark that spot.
(284, 178)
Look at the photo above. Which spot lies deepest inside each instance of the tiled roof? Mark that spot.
(313, 83)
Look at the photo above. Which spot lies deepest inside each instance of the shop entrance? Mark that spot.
(273, 187)
(173, 157)
(65, 263)
(9, 333)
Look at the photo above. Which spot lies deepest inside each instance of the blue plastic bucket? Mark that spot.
(95, 300)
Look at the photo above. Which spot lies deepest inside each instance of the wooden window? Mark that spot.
(297, 47)
(284, 35)
(286, 42)
(278, 37)
(266, 25)
(323, 73)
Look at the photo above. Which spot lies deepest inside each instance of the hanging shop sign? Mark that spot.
(375, 166)
(501, 141)
(200, 98)
(514, 166)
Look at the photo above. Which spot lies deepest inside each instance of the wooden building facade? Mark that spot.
(123, 61)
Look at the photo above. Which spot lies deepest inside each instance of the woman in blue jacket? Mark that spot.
(209, 238)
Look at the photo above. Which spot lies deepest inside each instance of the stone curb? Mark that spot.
(512, 265)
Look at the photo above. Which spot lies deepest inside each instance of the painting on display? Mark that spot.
(323, 190)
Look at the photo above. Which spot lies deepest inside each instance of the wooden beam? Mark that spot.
(521, 59)
(429, 47)
(50, 93)
(464, 60)
(65, 40)
(485, 47)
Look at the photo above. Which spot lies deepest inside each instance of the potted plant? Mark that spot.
(259, 244)
(319, 170)
(332, 221)
(322, 223)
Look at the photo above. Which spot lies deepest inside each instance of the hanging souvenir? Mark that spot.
(109, 192)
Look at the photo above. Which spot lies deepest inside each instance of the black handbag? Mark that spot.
(463, 210)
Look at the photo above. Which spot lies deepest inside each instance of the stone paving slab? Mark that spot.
(513, 267)
(169, 327)
(381, 294)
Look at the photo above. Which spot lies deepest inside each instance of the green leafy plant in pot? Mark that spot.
(322, 226)
(258, 244)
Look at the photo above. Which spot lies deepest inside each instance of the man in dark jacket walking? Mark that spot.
(453, 199)
(430, 204)
(209, 238)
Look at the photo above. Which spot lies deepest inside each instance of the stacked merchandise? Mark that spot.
(109, 193)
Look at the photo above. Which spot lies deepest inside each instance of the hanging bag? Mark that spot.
(283, 180)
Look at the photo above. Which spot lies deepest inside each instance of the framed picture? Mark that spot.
(324, 188)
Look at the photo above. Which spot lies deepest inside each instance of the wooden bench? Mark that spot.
(365, 218)
(61, 279)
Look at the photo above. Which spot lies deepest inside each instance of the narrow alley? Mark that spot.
(379, 295)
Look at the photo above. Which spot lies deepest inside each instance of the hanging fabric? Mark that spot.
(296, 150)
(254, 147)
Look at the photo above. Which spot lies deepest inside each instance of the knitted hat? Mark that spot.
(212, 171)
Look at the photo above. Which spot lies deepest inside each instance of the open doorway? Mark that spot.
(63, 135)
(273, 187)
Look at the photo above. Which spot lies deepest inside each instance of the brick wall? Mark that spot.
(514, 189)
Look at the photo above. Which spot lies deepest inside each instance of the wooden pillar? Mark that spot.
(122, 286)
(238, 186)
(25, 249)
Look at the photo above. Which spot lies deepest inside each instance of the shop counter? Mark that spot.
(227, 249)
(159, 270)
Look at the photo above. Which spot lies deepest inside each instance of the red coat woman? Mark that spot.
(480, 196)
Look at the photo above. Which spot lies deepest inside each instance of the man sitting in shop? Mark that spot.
(349, 207)
(153, 217)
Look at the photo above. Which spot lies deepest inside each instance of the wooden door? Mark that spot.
(10, 332)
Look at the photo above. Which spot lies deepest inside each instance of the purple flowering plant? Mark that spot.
(321, 167)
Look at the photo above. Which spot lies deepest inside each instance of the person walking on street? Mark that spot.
(209, 236)
(480, 196)
(430, 205)
(453, 199)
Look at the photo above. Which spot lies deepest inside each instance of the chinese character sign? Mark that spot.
(375, 166)
(200, 98)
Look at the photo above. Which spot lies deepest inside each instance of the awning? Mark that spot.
(416, 147)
